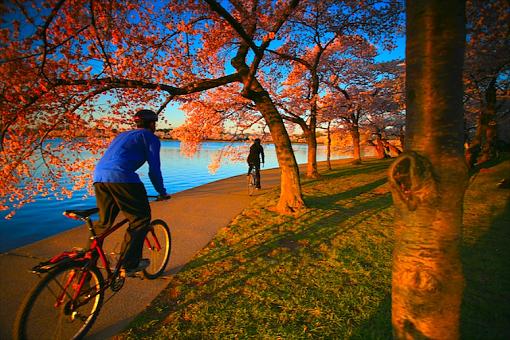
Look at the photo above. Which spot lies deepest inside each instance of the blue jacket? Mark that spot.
(128, 152)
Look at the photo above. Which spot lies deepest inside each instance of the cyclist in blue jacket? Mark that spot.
(118, 187)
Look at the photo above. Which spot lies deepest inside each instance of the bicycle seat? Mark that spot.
(80, 214)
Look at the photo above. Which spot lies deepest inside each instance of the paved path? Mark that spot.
(194, 217)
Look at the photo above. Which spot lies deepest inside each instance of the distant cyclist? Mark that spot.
(118, 187)
(254, 159)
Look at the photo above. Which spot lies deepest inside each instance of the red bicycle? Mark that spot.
(66, 301)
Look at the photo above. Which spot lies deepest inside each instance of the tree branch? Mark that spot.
(291, 58)
(50, 49)
(167, 101)
(99, 41)
(222, 12)
(197, 86)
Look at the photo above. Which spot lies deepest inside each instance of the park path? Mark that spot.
(194, 217)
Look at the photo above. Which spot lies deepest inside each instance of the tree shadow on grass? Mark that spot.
(329, 202)
(363, 168)
(485, 312)
(315, 229)
(378, 326)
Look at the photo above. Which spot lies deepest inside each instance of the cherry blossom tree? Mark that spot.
(74, 68)
(372, 100)
(385, 108)
(321, 34)
(486, 73)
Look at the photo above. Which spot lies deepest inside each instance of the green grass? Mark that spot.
(326, 273)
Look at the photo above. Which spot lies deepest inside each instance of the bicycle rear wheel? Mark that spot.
(55, 309)
(157, 247)
(251, 183)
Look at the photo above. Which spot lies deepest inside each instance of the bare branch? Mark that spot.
(267, 40)
(99, 41)
(47, 51)
(43, 33)
(24, 11)
(167, 101)
(291, 58)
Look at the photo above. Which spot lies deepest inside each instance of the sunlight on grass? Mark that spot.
(325, 273)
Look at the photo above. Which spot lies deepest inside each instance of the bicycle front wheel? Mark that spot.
(157, 247)
(57, 308)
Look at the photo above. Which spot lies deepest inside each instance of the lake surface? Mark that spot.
(43, 218)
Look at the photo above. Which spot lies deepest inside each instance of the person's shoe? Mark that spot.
(144, 263)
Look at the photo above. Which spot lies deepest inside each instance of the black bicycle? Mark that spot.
(67, 300)
(252, 181)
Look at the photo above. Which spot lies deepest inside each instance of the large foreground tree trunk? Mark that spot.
(429, 179)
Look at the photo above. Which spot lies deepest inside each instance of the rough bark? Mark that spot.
(429, 180)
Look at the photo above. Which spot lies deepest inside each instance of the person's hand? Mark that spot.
(163, 197)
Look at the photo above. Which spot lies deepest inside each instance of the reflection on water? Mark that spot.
(44, 217)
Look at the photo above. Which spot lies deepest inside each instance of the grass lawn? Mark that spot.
(326, 273)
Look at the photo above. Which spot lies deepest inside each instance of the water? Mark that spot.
(43, 218)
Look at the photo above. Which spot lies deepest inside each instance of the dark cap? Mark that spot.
(146, 115)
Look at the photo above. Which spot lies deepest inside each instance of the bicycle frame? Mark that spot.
(79, 277)
(89, 257)
(97, 245)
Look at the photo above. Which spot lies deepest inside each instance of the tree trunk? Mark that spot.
(329, 146)
(429, 180)
(356, 150)
(379, 147)
(291, 198)
(483, 146)
(311, 141)
(488, 150)
(290, 195)
(402, 138)
(473, 151)
(391, 148)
